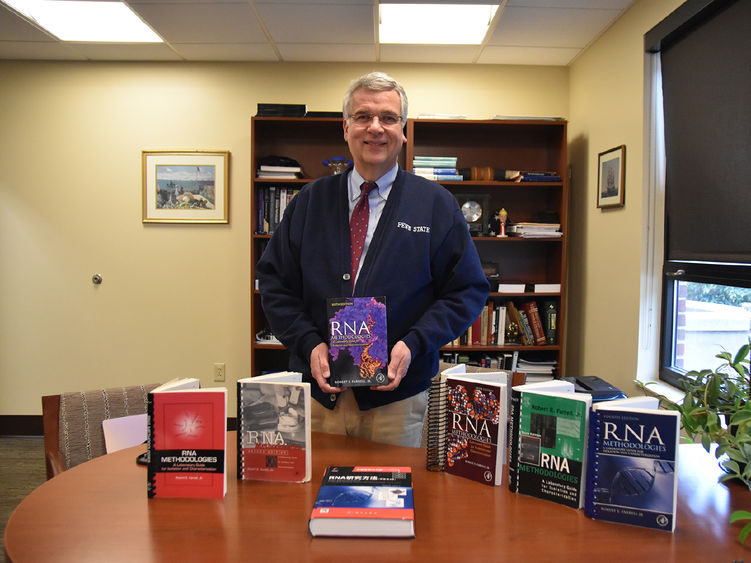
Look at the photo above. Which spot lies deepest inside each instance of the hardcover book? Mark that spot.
(548, 459)
(633, 450)
(476, 426)
(187, 432)
(358, 344)
(535, 323)
(364, 502)
(273, 428)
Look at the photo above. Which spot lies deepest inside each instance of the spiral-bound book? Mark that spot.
(466, 420)
(273, 428)
(548, 454)
(632, 475)
(187, 434)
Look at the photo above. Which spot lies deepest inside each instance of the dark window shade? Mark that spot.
(706, 73)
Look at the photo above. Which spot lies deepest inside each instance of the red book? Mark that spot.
(476, 426)
(535, 322)
(187, 443)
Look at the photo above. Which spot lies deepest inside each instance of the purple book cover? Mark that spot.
(358, 347)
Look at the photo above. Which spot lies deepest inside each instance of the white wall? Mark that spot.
(175, 298)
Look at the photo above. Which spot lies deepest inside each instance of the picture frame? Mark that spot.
(185, 186)
(611, 177)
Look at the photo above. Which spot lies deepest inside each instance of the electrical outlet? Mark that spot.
(219, 371)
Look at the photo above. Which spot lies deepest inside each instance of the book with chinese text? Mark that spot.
(358, 344)
(273, 428)
(364, 501)
(187, 430)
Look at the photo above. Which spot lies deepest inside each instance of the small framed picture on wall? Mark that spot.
(185, 186)
(611, 177)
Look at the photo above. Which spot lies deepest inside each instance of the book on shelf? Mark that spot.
(434, 162)
(431, 170)
(287, 169)
(540, 177)
(537, 369)
(442, 177)
(550, 321)
(466, 422)
(271, 201)
(632, 477)
(370, 501)
(535, 230)
(548, 455)
(358, 344)
(187, 433)
(535, 322)
(273, 428)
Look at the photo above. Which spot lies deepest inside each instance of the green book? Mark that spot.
(550, 446)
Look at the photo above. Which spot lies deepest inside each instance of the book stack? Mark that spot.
(279, 172)
(537, 370)
(536, 230)
(436, 168)
(270, 205)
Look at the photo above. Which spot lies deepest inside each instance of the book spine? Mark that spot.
(435, 445)
(151, 471)
(239, 433)
(513, 453)
(535, 322)
(550, 313)
(593, 468)
(526, 327)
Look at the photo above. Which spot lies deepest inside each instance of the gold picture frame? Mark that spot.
(611, 177)
(185, 186)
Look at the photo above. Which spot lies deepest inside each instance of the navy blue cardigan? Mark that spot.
(421, 258)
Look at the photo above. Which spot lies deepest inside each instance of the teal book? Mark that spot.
(551, 443)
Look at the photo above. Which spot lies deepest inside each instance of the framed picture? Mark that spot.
(611, 177)
(185, 186)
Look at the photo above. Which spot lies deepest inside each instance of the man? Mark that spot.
(417, 252)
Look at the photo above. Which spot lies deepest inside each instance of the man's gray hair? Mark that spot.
(376, 82)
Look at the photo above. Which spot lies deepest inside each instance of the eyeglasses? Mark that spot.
(363, 119)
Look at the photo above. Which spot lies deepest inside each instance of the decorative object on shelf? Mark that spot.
(611, 177)
(475, 208)
(185, 186)
(512, 333)
(498, 223)
(337, 164)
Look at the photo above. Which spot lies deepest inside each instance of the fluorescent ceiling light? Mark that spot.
(453, 24)
(75, 20)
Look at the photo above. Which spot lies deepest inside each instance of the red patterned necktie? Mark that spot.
(358, 227)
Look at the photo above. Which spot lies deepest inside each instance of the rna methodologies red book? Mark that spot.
(364, 501)
(187, 432)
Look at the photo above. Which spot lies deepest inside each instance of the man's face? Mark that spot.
(375, 146)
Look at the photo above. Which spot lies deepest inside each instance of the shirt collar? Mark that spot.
(384, 183)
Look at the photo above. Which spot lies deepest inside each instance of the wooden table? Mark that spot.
(98, 511)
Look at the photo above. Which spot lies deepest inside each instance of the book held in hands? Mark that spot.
(187, 433)
(273, 428)
(632, 477)
(364, 501)
(358, 344)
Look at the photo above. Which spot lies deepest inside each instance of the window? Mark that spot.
(705, 60)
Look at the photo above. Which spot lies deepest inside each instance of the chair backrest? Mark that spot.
(73, 422)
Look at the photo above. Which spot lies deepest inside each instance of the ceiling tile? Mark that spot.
(322, 23)
(327, 53)
(527, 56)
(203, 22)
(16, 28)
(428, 53)
(38, 50)
(550, 27)
(225, 51)
(131, 52)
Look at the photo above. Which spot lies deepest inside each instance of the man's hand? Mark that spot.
(401, 357)
(319, 368)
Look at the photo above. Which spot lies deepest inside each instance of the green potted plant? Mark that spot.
(716, 410)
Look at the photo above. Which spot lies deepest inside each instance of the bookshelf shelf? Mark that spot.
(528, 145)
